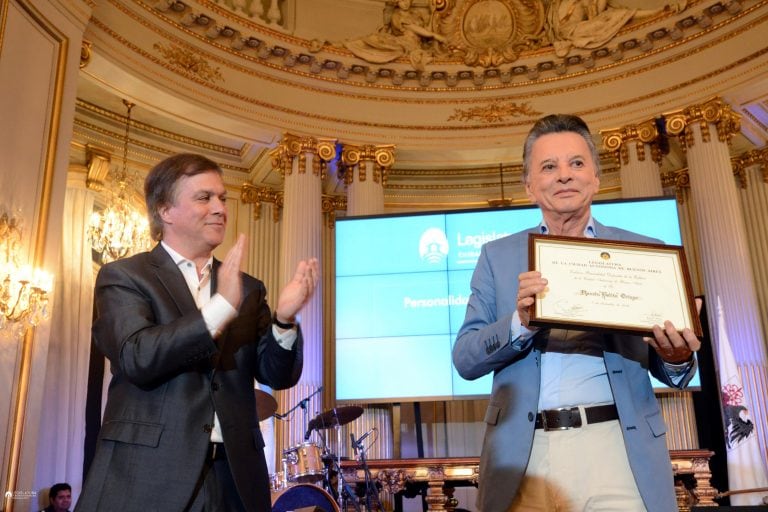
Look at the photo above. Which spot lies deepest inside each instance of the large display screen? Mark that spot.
(402, 286)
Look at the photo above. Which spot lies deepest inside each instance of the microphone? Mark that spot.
(309, 432)
(360, 441)
(358, 445)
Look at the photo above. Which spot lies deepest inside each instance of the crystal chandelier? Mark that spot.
(23, 290)
(119, 230)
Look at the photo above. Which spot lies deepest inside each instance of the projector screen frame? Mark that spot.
(401, 373)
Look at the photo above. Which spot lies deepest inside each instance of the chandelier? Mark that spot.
(23, 290)
(119, 230)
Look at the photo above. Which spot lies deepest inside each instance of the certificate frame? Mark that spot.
(611, 285)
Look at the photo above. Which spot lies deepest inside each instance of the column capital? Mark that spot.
(330, 204)
(714, 111)
(617, 140)
(679, 179)
(250, 194)
(382, 155)
(757, 157)
(292, 146)
(739, 171)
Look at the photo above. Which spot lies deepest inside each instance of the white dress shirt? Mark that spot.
(573, 379)
(216, 311)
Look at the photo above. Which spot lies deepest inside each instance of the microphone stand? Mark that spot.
(303, 404)
(343, 487)
(370, 488)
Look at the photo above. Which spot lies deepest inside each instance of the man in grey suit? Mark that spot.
(572, 422)
(186, 335)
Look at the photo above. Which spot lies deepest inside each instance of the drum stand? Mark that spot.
(343, 491)
(291, 456)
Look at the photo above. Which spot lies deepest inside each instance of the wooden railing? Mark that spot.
(442, 476)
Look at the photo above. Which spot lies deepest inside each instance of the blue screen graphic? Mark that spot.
(402, 285)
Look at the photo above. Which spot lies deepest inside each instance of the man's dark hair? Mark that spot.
(558, 123)
(160, 185)
(57, 488)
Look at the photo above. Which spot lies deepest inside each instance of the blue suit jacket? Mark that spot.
(483, 345)
(168, 375)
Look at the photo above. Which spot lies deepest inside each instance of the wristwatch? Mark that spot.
(280, 324)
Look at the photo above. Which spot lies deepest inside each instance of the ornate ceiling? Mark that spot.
(453, 84)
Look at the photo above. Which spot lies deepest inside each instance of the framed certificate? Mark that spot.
(611, 285)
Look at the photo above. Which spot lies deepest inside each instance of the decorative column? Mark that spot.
(636, 148)
(263, 262)
(752, 171)
(365, 175)
(679, 181)
(364, 171)
(302, 162)
(704, 132)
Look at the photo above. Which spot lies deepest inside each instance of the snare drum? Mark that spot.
(300, 496)
(304, 463)
(277, 481)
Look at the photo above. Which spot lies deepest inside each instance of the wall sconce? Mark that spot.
(23, 290)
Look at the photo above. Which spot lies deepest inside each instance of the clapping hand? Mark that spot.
(298, 291)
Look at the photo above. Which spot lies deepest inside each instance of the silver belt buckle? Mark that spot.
(546, 426)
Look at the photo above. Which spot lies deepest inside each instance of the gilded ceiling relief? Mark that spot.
(85, 53)
(490, 33)
(457, 43)
(495, 112)
(254, 10)
(188, 62)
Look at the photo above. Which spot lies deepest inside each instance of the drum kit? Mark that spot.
(310, 474)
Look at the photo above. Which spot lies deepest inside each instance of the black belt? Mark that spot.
(216, 451)
(562, 419)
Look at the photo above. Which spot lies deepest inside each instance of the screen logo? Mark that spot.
(433, 245)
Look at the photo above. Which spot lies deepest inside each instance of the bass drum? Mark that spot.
(300, 496)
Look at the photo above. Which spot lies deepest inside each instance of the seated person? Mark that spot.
(60, 497)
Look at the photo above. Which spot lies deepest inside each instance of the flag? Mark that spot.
(746, 469)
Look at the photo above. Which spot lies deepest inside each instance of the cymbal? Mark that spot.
(266, 405)
(335, 417)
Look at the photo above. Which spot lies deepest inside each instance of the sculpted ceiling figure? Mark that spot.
(407, 31)
(489, 33)
(591, 24)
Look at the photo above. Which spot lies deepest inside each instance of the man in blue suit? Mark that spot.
(572, 421)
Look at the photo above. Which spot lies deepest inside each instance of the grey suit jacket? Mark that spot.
(483, 345)
(168, 376)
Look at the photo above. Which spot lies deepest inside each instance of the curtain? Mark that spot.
(62, 418)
